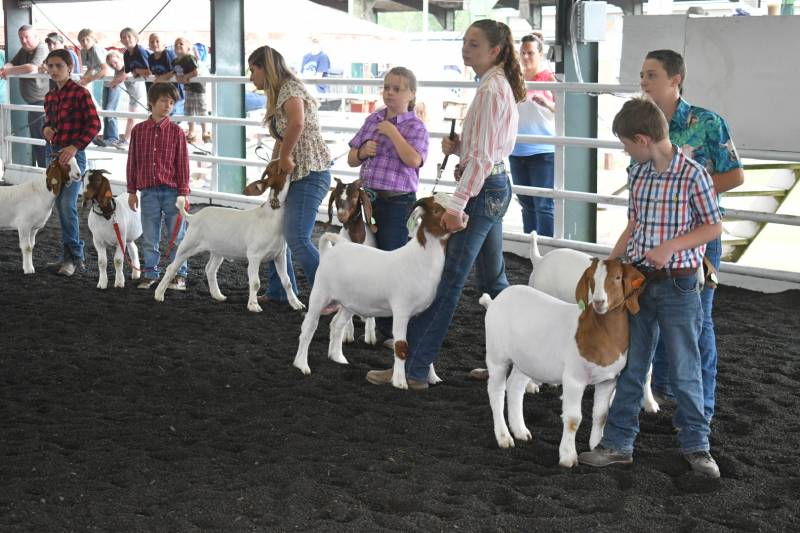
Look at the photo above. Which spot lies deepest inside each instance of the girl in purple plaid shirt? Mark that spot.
(390, 147)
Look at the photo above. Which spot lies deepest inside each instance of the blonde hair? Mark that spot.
(188, 44)
(86, 32)
(410, 79)
(276, 73)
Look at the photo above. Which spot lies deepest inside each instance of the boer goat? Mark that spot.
(354, 212)
(106, 212)
(372, 282)
(27, 206)
(550, 341)
(255, 234)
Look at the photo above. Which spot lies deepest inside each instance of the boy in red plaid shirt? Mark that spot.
(158, 166)
(71, 122)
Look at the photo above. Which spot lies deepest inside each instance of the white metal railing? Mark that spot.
(559, 192)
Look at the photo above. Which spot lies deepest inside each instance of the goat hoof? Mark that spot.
(304, 369)
(297, 306)
(120, 285)
(159, 297)
(101, 286)
(505, 441)
(651, 407)
(402, 385)
(220, 297)
(29, 271)
(338, 358)
(523, 435)
(255, 308)
(569, 461)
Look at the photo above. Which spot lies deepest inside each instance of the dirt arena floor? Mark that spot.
(121, 414)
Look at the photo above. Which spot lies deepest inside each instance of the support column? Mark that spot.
(580, 218)
(363, 9)
(227, 59)
(14, 17)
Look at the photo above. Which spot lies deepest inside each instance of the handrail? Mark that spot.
(560, 141)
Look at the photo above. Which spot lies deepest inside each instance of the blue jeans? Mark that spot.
(67, 205)
(707, 345)
(153, 203)
(110, 102)
(390, 216)
(36, 121)
(671, 306)
(302, 205)
(481, 244)
(535, 171)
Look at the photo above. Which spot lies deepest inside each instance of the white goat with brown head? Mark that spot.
(551, 341)
(27, 206)
(371, 282)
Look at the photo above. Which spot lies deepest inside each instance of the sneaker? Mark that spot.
(602, 456)
(67, 269)
(478, 374)
(119, 144)
(703, 463)
(384, 377)
(99, 141)
(177, 284)
(146, 283)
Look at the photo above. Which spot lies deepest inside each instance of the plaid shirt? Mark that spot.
(664, 206)
(386, 171)
(158, 156)
(71, 113)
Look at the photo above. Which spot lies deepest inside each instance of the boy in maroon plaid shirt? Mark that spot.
(158, 166)
(71, 122)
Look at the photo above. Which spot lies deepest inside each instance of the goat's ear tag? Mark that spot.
(581, 305)
(53, 181)
(372, 221)
(637, 283)
(108, 194)
(713, 278)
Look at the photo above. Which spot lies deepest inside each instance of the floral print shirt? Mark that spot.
(310, 153)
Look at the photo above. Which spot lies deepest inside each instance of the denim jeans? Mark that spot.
(481, 244)
(153, 203)
(671, 306)
(36, 121)
(302, 204)
(110, 102)
(67, 205)
(390, 216)
(707, 345)
(535, 171)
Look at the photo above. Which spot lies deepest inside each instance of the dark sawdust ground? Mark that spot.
(121, 414)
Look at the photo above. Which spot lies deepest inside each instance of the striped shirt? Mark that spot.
(386, 171)
(158, 156)
(490, 129)
(71, 113)
(666, 205)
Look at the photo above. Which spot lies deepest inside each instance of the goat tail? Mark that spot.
(485, 300)
(327, 241)
(534, 249)
(181, 205)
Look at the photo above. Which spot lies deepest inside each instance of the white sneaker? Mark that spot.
(177, 284)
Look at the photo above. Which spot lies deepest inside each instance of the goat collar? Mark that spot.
(106, 211)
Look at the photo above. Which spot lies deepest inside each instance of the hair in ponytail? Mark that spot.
(498, 34)
(276, 71)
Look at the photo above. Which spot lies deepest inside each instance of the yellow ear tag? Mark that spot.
(581, 305)
(53, 181)
(637, 283)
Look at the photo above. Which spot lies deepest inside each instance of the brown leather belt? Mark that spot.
(663, 273)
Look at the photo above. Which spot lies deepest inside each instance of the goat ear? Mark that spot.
(582, 289)
(367, 203)
(331, 200)
(632, 283)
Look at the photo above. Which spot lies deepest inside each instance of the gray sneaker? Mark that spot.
(602, 456)
(703, 463)
(67, 269)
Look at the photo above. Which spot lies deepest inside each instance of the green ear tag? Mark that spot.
(372, 220)
(581, 305)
